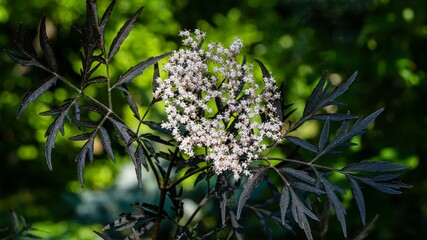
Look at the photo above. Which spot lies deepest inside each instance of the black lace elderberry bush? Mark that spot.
(223, 126)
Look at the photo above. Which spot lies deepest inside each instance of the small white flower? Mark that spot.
(200, 79)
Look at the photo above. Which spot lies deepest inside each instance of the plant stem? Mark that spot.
(163, 191)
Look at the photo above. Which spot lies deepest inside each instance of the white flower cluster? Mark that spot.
(213, 102)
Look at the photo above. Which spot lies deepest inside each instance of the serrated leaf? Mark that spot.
(106, 142)
(299, 174)
(130, 148)
(54, 111)
(25, 43)
(138, 69)
(324, 136)
(86, 124)
(343, 137)
(300, 213)
(307, 188)
(358, 197)
(385, 187)
(130, 100)
(335, 203)
(23, 60)
(85, 151)
(264, 70)
(103, 236)
(302, 143)
(94, 108)
(157, 127)
(249, 186)
(151, 149)
(339, 117)
(122, 34)
(338, 91)
(315, 96)
(35, 92)
(284, 202)
(81, 137)
(155, 138)
(45, 46)
(97, 79)
(92, 12)
(51, 133)
(140, 159)
(374, 166)
(105, 18)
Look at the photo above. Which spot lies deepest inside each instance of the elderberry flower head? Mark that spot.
(213, 102)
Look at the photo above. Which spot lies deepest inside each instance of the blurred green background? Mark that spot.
(384, 40)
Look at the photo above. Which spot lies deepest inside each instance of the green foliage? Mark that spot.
(297, 185)
(297, 39)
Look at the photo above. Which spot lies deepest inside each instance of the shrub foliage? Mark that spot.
(291, 183)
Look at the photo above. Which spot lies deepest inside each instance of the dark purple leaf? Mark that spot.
(45, 46)
(284, 202)
(51, 133)
(374, 166)
(302, 143)
(138, 69)
(105, 18)
(122, 34)
(265, 72)
(98, 79)
(334, 117)
(324, 136)
(81, 137)
(315, 97)
(358, 197)
(249, 186)
(335, 203)
(35, 91)
(106, 142)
